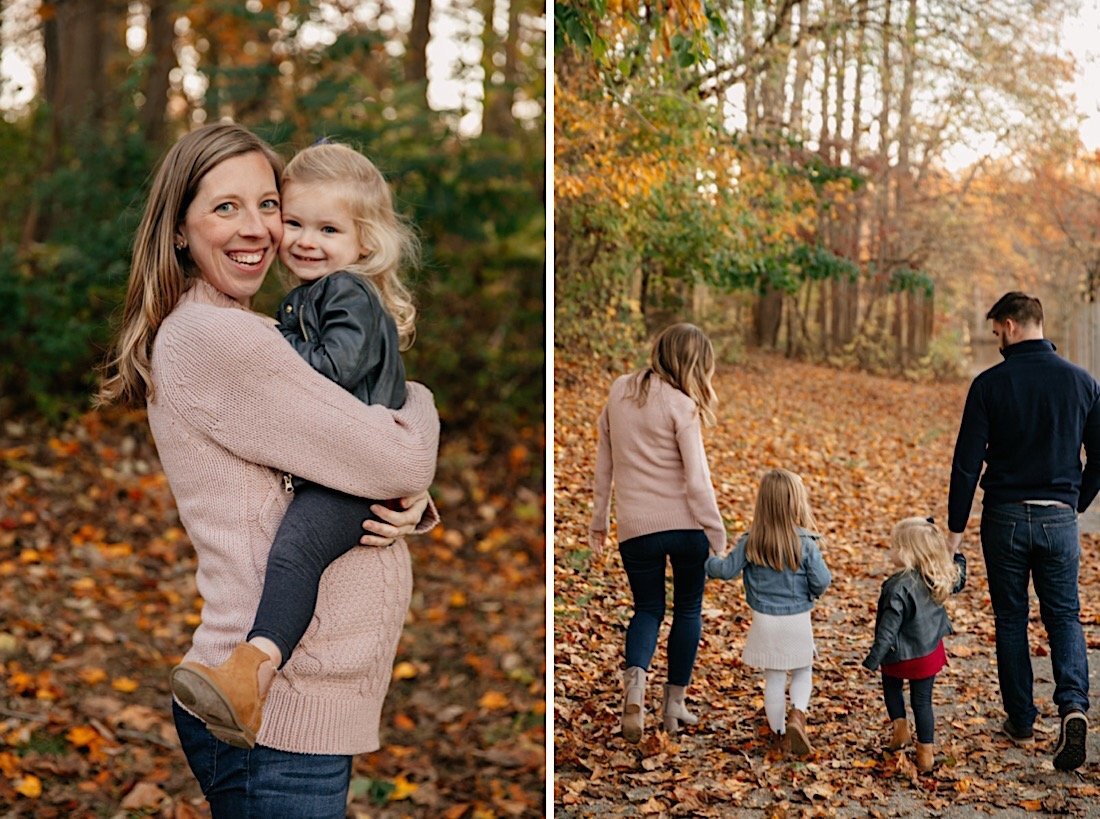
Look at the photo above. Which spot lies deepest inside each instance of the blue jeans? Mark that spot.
(263, 783)
(1018, 541)
(644, 559)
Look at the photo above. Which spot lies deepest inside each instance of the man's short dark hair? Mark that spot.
(1020, 307)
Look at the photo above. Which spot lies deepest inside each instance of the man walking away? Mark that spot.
(1027, 419)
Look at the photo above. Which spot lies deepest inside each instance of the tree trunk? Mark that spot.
(159, 45)
(416, 56)
(801, 76)
(768, 317)
(748, 47)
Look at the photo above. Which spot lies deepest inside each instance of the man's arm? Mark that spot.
(966, 465)
(1090, 478)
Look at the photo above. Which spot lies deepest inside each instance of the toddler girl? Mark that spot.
(910, 626)
(784, 575)
(349, 317)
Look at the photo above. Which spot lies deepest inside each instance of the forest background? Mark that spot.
(98, 600)
(845, 180)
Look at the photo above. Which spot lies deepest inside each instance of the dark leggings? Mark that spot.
(320, 525)
(644, 559)
(920, 698)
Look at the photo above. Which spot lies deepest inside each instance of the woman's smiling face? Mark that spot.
(233, 226)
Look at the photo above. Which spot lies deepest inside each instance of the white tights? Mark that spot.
(775, 694)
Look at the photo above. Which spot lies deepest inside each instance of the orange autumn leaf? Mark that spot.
(126, 685)
(404, 671)
(92, 676)
(493, 701)
(29, 786)
(83, 736)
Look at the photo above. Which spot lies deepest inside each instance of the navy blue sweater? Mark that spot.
(1027, 418)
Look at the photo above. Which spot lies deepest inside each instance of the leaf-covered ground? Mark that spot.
(97, 603)
(872, 451)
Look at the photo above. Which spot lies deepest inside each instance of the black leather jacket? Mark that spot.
(338, 325)
(909, 623)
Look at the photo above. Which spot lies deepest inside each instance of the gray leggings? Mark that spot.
(320, 525)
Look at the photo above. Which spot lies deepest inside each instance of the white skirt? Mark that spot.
(783, 641)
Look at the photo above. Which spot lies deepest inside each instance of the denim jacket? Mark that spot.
(909, 624)
(778, 593)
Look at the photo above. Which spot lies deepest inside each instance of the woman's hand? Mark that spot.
(596, 542)
(394, 523)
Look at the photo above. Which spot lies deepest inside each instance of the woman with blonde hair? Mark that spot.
(910, 624)
(784, 574)
(651, 448)
(233, 408)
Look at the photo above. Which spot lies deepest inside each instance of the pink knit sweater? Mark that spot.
(656, 454)
(234, 407)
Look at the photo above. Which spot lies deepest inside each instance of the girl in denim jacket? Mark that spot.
(910, 625)
(784, 575)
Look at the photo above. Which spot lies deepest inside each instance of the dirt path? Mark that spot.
(872, 450)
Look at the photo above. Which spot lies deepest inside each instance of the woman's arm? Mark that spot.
(700, 490)
(231, 374)
(601, 506)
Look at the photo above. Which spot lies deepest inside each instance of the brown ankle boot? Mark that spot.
(796, 733)
(225, 697)
(779, 746)
(901, 735)
(924, 755)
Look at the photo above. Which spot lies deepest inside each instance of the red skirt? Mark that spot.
(918, 668)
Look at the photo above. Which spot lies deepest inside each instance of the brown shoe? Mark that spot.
(779, 746)
(796, 733)
(633, 703)
(225, 697)
(925, 762)
(901, 736)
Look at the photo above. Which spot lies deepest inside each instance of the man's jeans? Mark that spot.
(644, 558)
(1019, 540)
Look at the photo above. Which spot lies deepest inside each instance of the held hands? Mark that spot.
(954, 541)
(394, 523)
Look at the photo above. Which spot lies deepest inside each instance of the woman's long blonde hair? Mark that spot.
(683, 357)
(921, 547)
(782, 505)
(393, 245)
(160, 272)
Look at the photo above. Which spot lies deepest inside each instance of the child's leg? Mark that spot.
(920, 697)
(320, 526)
(893, 692)
(802, 684)
(775, 699)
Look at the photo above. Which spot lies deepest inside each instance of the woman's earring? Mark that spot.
(181, 244)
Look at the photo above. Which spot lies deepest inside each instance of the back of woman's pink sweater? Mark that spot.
(654, 455)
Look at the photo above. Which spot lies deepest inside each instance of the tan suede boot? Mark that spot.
(633, 703)
(901, 735)
(779, 746)
(924, 756)
(796, 733)
(225, 697)
(675, 710)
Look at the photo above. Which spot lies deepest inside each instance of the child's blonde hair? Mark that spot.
(921, 547)
(392, 243)
(683, 357)
(782, 504)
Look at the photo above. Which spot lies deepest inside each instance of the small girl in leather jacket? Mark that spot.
(910, 625)
(348, 318)
(784, 574)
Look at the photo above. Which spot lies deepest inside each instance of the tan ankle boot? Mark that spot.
(225, 697)
(633, 703)
(675, 709)
(796, 733)
(779, 746)
(924, 755)
(901, 735)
